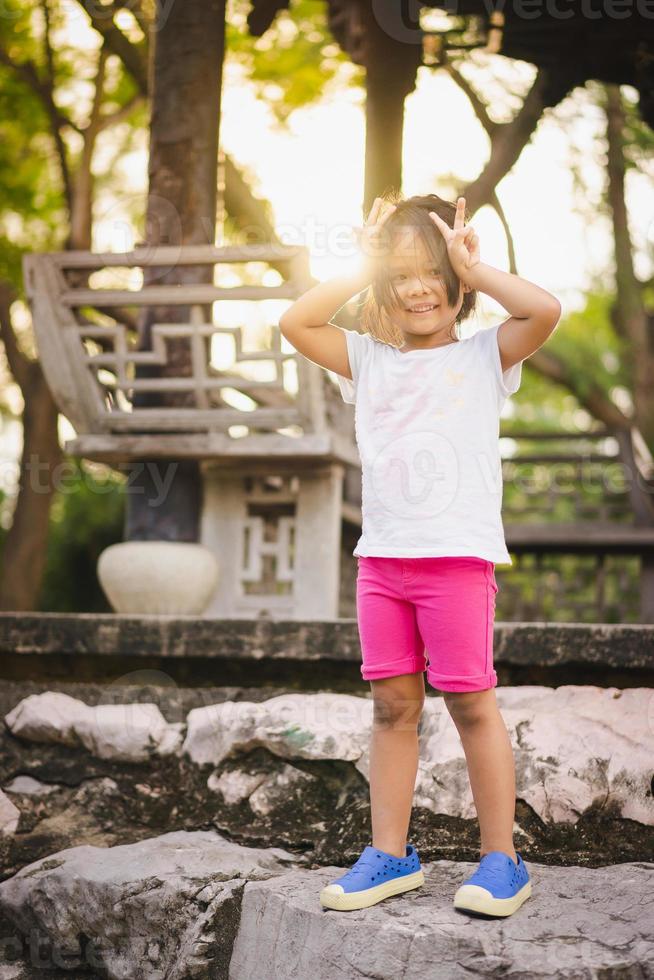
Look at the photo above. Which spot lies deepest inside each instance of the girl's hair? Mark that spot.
(382, 296)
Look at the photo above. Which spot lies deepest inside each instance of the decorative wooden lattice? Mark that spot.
(96, 371)
(131, 368)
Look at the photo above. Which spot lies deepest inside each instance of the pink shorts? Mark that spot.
(428, 613)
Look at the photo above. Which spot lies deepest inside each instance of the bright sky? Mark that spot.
(314, 177)
(312, 173)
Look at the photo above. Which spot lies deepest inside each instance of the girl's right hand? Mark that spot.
(371, 240)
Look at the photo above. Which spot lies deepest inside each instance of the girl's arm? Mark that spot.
(534, 312)
(319, 304)
(306, 325)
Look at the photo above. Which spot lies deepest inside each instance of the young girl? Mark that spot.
(427, 426)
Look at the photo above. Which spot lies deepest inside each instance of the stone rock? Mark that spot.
(9, 816)
(128, 732)
(578, 749)
(235, 786)
(578, 922)
(277, 788)
(163, 907)
(48, 717)
(193, 905)
(574, 746)
(293, 726)
(29, 786)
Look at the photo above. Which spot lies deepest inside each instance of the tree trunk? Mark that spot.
(24, 552)
(186, 86)
(381, 38)
(631, 319)
(384, 130)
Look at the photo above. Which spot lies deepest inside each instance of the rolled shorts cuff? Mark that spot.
(454, 682)
(394, 668)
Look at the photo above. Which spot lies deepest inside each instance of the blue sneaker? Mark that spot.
(375, 876)
(499, 886)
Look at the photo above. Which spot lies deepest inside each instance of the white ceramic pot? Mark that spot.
(174, 577)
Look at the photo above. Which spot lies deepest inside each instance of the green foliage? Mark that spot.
(295, 59)
(564, 589)
(586, 341)
(587, 344)
(31, 200)
(86, 517)
(33, 208)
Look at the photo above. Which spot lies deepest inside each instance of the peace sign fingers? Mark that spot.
(461, 240)
(375, 211)
(371, 237)
(445, 229)
(459, 217)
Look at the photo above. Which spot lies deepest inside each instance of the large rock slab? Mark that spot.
(163, 907)
(193, 905)
(62, 636)
(578, 923)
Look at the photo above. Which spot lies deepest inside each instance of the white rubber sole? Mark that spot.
(474, 898)
(333, 896)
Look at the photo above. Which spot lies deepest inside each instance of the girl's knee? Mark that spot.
(398, 702)
(468, 707)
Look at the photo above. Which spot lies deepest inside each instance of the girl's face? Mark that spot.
(424, 309)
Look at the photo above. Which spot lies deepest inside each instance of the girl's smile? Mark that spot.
(420, 310)
(420, 289)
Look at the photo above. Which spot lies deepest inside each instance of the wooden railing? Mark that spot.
(86, 334)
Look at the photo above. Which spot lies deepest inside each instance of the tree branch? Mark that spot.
(509, 139)
(130, 54)
(475, 100)
(19, 363)
(495, 203)
(27, 70)
(595, 401)
(113, 118)
(135, 8)
(50, 105)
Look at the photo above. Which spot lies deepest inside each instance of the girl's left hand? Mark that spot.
(462, 241)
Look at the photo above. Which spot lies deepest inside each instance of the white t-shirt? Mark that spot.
(427, 428)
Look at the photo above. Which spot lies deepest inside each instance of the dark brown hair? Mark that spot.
(382, 296)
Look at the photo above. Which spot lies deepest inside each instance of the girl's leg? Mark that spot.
(491, 766)
(398, 703)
